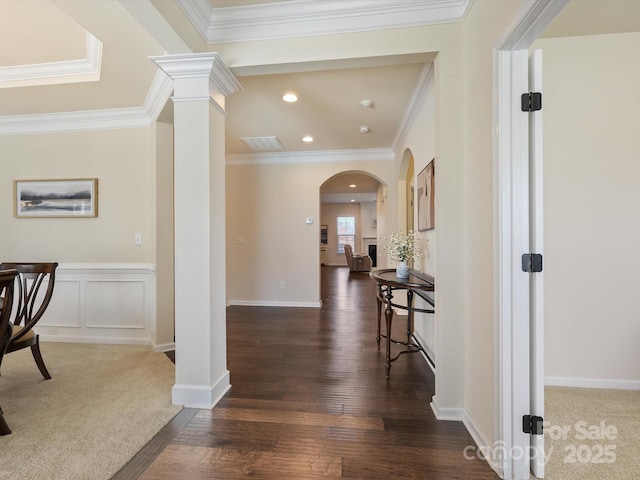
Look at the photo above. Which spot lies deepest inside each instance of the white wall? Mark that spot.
(591, 201)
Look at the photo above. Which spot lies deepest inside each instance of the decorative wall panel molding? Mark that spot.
(102, 303)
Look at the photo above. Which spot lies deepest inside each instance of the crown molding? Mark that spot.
(316, 156)
(158, 95)
(529, 23)
(107, 119)
(134, 117)
(199, 13)
(55, 73)
(423, 86)
(303, 18)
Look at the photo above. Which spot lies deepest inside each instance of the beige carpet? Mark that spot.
(102, 405)
(598, 415)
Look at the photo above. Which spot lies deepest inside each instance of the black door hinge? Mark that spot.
(532, 424)
(531, 262)
(531, 102)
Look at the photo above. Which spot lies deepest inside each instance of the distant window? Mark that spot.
(346, 232)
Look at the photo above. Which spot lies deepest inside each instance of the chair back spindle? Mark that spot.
(7, 279)
(35, 282)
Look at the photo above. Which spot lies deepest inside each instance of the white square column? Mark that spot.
(201, 83)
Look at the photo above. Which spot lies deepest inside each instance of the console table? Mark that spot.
(417, 283)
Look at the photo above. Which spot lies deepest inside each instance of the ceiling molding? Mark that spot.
(55, 73)
(74, 121)
(308, 18)
(199, 13)
(316, 156)
(134, 117)
(423, 87)
(158, 95)
(529, 23)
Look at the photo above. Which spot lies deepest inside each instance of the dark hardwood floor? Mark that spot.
(310, 400)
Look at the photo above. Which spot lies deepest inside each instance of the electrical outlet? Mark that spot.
(281, 284)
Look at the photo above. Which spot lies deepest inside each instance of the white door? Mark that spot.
(536, 292)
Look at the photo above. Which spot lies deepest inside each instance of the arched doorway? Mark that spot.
(358, 197)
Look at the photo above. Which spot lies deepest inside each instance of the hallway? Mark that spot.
(309, 400)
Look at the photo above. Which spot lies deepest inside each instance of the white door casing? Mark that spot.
(511, 235)
(536, 286)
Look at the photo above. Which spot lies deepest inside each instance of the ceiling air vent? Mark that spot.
(263, 143)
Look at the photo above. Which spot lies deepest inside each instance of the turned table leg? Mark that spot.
(388, 315)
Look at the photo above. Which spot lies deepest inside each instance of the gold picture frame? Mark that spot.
(74, 198)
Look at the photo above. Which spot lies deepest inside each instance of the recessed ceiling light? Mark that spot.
(290, 97)
(364, 129)
(307, 139)
(353, 200)
(353, 185)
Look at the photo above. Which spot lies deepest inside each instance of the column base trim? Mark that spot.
(197, 396)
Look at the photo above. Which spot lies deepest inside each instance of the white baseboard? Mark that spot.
(102, 340)
(197, 396)
(429, 355)
(164, 347)
(592, 383)
(452, 414)
(266, 303)
(482, 444)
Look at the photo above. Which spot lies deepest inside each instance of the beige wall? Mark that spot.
(421, 142)
(486, 22)
(124, 164)
(164, 235)
(591, 199)
(267, 208)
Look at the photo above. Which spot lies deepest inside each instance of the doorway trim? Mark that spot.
(511, 233)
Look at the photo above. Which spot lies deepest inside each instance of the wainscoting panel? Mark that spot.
(118, 304)
(64, 309)
(101, 303)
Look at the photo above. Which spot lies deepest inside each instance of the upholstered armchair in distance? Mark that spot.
(357, 262)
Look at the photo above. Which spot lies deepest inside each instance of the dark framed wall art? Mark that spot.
(426, 197)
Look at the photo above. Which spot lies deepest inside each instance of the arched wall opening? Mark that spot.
(358, 194)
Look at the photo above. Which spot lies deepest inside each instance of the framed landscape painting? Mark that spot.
(426, 197)
(56, 198)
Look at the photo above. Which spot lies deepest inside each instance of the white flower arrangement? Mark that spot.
(402, 247)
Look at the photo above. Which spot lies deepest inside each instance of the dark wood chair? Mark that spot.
(7, 278)
(32, 296)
